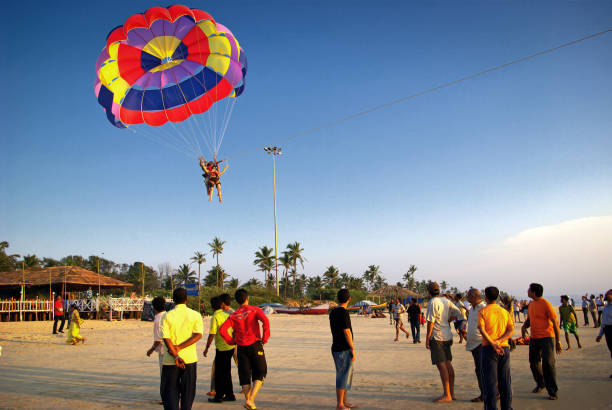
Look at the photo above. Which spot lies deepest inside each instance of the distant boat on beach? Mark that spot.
(313, 310)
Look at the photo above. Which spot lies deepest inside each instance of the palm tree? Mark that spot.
(7, 262)
(285, 262)
(295, 255)
(233, 283)
(331, 276)
(314, 285)
(371, 275)
(198, 257)
(184, 275)
(443, 286)
(264, 260)
(409, 277)
(355, 282)
(31, 261)
(253, 283)
(216, 247)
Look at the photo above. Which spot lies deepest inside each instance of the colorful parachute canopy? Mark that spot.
(166, 65)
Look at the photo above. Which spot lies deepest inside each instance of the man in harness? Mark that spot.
(212, 176)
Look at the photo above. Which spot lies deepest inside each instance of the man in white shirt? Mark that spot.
(159, 307)
(473, 341)
(440, 311)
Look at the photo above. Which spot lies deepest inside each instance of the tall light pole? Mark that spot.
(275, 151)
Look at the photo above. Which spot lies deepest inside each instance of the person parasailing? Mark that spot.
(212, 176)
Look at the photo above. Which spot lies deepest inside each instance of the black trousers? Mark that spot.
(223, 374)
(476, 357)
(585, 312)
(495, 371)
(251, 363)
(542, 363)
(415, 328)
(608, 333)
(179, 385)
(62, 318)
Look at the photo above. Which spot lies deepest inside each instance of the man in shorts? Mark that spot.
(397, 309)
(440, 311)
(251, 358)
(343, 349)
(569, 321)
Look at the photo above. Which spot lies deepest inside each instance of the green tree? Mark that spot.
(314, 286)
(409, 278)
(233, 283)
(443, 286)
(50, 262)
(31, 261)
(371, 276)
(184, 275)
(285, 262)
(331, 276)
(295, 255)
(199, 258)
(7, 262)
(216, 246)
(264, 260)
(253, 282)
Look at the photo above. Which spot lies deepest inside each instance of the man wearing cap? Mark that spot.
(440, 311)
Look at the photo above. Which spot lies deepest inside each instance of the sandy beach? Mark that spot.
(38, 370)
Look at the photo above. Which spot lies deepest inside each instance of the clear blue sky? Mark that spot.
(439, 181)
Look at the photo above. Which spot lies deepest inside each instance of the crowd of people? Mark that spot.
(485, 322)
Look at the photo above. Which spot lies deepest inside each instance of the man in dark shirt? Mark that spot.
(343, 349)
(414, 315)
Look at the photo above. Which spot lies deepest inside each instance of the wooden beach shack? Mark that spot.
(28, 294)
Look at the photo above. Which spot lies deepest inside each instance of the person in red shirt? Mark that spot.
(247, 335)
(58, 310)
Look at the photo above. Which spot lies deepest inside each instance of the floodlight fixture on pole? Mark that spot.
(275, 151)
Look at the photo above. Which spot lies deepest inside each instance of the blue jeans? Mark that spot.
(495, 373)
(415, 328)
(344, 369)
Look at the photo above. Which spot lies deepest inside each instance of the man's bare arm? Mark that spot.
(194, 338)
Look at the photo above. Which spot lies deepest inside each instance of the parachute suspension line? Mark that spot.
(179, 133)
(207, 114)
(227, 117)
(156, 139)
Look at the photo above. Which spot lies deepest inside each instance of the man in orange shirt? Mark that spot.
(496, 326)
(544, 327)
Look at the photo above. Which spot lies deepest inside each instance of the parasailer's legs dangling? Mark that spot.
(219, 192)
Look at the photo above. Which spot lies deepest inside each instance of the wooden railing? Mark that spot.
(15, 306)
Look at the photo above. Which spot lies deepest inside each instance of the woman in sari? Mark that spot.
(74, 336)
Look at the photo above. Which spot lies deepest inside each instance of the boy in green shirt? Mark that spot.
(569, 321)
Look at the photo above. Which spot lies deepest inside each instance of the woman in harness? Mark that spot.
(212, 176)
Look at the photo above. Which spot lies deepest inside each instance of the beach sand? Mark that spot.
(38, 369)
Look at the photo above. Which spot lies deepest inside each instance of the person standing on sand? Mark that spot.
(569, 321)
(543, 322)
(58, 311)
(390, 311)
(496, 326)
(414, 316)
(251, 358)
(606, 323)
(585, 310)
(342, 348)
(398, 309)
(159, 307)
(600, 305)
(181, 329)
(473, 339)
(592, 310)
(74, 331)
(224, 352)
(440, 311)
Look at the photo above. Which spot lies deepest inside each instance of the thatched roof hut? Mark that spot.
(61, 278)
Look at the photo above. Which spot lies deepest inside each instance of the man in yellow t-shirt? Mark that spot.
(224, 352)
(496, 326)
(181, 329)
